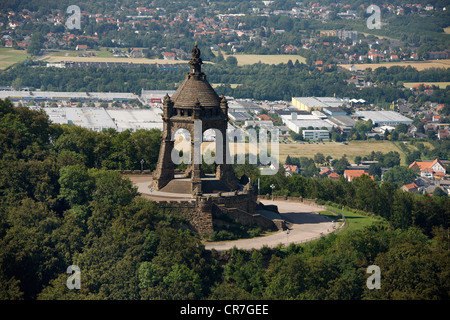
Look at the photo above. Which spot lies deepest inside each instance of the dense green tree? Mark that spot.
(399, 175)
(59, 206)
(36, 44)
(406, 273)
(319, 158)
(340, 165)
(76, 184)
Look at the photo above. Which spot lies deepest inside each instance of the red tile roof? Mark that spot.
(351, 174)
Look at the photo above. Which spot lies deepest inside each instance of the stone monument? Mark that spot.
(195, 106)
(194, 103)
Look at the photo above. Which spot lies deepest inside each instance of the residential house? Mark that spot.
(434, 55)
(136, 53)
(81, 47)
(329, 173)
(325, 171)
(169, 55)
(353, 68)
(411, 187)
(394, 57)
(443, 133)
(265, 117)
(290, 169)
(436, 118)
(333, 176)
(352, 174)
(432, 169)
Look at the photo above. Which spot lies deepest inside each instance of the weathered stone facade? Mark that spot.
(202, 213)
(194, 106)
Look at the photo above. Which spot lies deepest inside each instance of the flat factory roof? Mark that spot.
(136, 119)
(92, 118)
(384, 116)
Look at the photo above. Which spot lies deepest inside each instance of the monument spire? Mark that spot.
(196, 62)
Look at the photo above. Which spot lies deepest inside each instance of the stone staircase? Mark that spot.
(182, 186)
(262, 218)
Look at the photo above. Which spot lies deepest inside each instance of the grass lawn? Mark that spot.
(441, 85)
(419, 65)
(354, 221)
(102, 55)
(337, 149)
(9, 56)
(334, 149)
(245, 59)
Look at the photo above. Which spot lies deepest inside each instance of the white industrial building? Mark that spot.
(24, 96)
(316, 134)
(380, 118)
(296, 122)
(38, 96)
(155, 96)
(316, 103)
(131, 119)
(331, 102)
(96, 119)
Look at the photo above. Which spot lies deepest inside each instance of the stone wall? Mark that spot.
(245, 218)
(239, 206)
(198, 214)
(310, 202)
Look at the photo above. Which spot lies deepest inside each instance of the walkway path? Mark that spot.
(306, 224)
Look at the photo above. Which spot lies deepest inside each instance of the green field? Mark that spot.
(102, 53)
(9, 56)
(441, 85)
(337, 149)
(354, 220)
(246, 59)
(419, 65)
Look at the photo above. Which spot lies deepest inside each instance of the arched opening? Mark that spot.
(181, 152)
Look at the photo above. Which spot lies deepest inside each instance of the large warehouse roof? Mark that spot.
(55, 95)
(331, 101)
(311, 101)
(384, 117)
(136, 119)
(91, 118)
(99, 118)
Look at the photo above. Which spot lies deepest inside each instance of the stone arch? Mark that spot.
(197, 108)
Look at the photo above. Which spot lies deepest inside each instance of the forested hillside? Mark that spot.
(59, 206)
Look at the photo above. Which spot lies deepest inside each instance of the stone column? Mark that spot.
(196, 158)
(165, 168)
